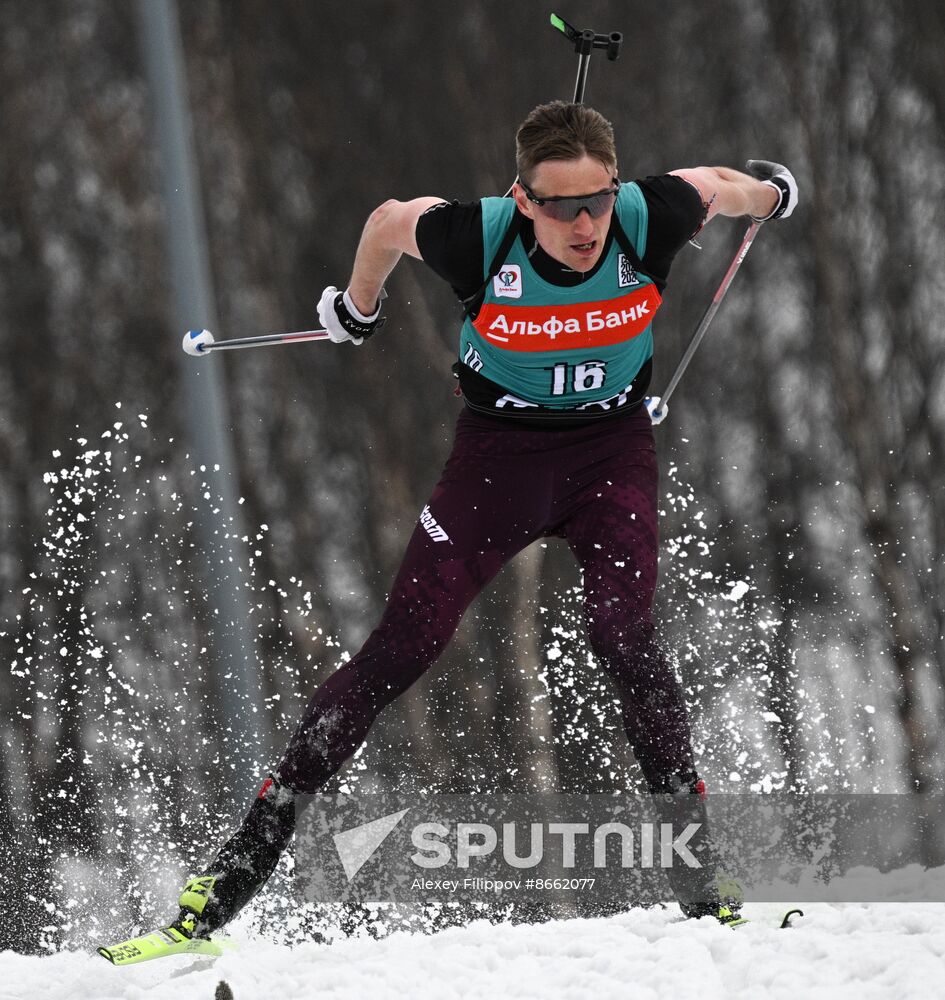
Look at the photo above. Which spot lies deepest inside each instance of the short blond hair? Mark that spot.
(563, 131)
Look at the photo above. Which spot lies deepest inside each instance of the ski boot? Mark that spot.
(242, 866)
(708, 890)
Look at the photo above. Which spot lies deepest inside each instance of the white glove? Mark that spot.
(342, 318)
(777, 176)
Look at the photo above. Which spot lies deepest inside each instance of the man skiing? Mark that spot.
(560, 284)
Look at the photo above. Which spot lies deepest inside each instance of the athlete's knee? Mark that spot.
(335, 723)
(616, 634)
(424, 610)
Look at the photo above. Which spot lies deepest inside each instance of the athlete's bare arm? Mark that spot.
(389, 232)
(730, 192)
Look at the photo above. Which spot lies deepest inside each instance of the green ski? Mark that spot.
(732, 918)
(161, 943)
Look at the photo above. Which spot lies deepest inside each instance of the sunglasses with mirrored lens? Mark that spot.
(566, 208)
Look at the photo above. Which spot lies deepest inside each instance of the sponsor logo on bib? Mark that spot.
(508, 282)
(514, 327)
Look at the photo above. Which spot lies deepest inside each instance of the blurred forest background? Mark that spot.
(803, 458)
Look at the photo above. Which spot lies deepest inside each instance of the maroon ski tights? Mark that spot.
(503, 487)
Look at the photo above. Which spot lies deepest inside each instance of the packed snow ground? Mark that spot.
(836, 951)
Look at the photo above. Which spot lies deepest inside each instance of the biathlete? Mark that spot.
(561, 284)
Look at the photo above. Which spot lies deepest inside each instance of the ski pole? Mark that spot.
(200, 342)
(657, 405)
